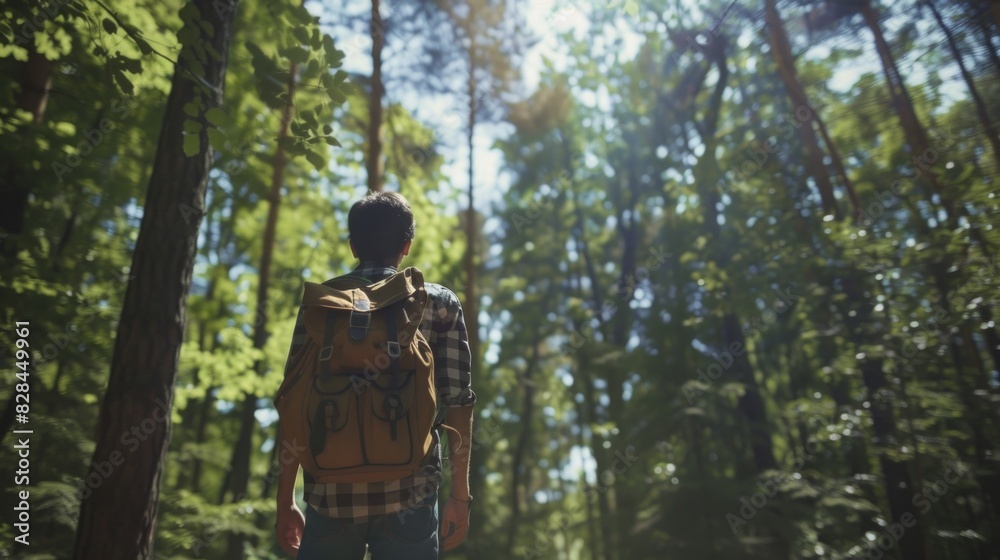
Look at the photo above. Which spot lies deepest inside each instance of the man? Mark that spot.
(396, 519)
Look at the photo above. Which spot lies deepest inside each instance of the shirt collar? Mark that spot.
(374, 268)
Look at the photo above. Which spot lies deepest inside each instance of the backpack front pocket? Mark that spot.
(388, 434)
(334, 432)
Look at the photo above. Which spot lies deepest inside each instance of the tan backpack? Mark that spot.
(359, 393)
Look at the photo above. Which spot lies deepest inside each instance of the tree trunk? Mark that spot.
(204, 410)
(593, 530)
(35, 81)
(984, 116)
(897, 481)
(916, 134)
(374, 161)
(706, 174)
(118, 517)
(521, 448)
(597, 523)
(797, 94)
(606, 511)
(7, 420)
(471, 305)
(987, 41)
(239, 473)
(991, 338)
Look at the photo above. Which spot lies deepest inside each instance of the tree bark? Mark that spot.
(706, 174)
(471, 231)
(204, 410)
(797, 94)
(916, 134)
(991, 338)
(977, 100)
(374, 161)
(118, 517)
(987, 42)
(521, 448)
(897, 481)
(35, 81)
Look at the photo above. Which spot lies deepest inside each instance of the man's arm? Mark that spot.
(290, 522)
(288, 472)
(289, 465)
(453, 378)
(460, 450)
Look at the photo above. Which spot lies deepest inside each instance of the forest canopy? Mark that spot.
(728, 267)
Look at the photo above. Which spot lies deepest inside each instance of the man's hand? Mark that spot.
(289, 527)
(454, 524)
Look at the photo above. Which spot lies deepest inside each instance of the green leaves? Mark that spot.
(296, 54)
(318, 161)
(109, 26)
(311, 54)
(218, 117)
(301, 32)
(216, 139)
(334, 56)
(192, 145)
(124, 83)
(336, 85)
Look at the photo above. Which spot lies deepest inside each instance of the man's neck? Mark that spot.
(377, 264)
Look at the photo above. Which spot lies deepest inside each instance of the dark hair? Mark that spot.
(380, 224)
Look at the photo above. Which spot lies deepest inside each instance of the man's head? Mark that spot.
(381, 227)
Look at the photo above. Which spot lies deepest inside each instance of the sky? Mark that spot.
(547, 20)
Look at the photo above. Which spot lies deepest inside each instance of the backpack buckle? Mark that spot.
(326, 353)
(359, 323)
(392, 347)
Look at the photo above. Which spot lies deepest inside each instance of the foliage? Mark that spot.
(633, 232)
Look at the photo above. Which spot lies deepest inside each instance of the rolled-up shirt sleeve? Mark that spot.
(452, 357)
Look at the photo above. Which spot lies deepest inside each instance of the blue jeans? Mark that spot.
(411, 534)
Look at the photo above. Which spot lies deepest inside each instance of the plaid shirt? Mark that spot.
(444, 328)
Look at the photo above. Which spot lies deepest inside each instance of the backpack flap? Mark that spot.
(348, 304)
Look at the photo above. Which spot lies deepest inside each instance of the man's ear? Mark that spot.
(406, 248)
(353, 250)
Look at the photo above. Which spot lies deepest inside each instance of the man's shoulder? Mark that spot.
(441, 295)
